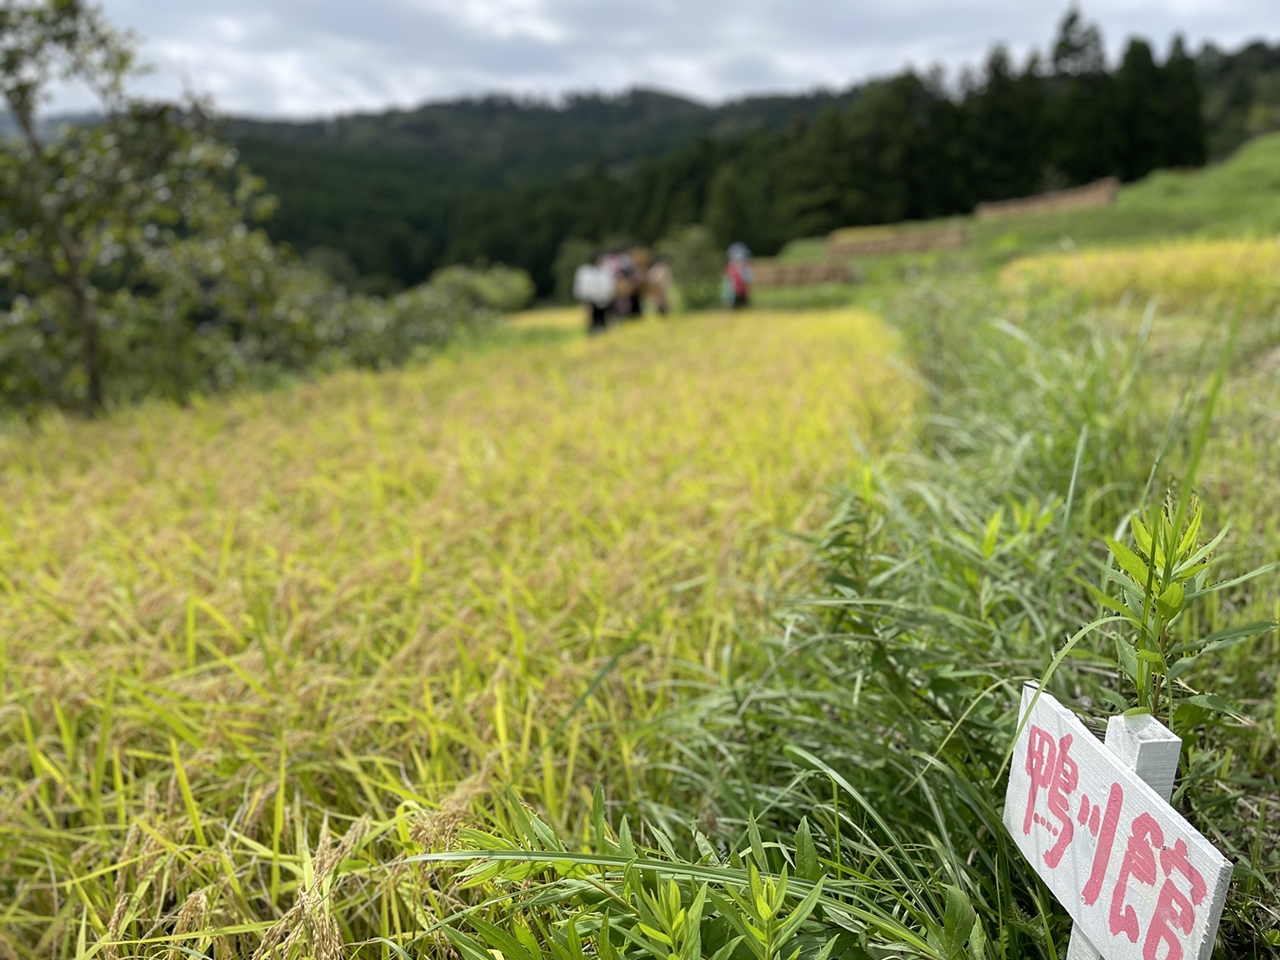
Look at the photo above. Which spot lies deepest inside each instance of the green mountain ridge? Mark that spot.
(504, 141)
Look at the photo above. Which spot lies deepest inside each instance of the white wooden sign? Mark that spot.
(1137, 879)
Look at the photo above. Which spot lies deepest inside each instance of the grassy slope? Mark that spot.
(1241, 195)
(381, 595)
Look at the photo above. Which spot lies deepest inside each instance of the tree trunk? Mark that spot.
(91, 347)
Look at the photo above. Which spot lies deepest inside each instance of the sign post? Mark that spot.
(1096, 825)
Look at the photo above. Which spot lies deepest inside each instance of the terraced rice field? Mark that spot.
(231, 631)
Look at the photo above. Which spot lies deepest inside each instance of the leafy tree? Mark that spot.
(97, 216)
(1240, 92)
(696, 265)
(572, 254)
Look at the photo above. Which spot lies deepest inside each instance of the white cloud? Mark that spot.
(316, 57)
(500, 19)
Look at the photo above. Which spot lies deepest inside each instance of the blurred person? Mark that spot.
(658, 280)
(735, 288)
(595, 284)
(627, 279)
(641, 259)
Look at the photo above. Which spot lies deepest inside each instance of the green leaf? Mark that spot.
(957, 922)
(978, 941)
(705, 850)
(1227, 638)
(604, 945)
(1113, 699)
(625, 844)
(499, 939)
(802, 912)
(1109, 602)
(1234, 581)
(1199, 559)
(827, 949)
(691, 948)
(664, 842)
(530, 942)
(1141, 535)
(571, 933)
(657, 950)
(1170, 601)
(731, 911)
(757, 845)
(1188, 542)
(654, 934)
(1152, 657)
(1130, 562)
(725, 952)
(1128, 658)
(598, 821)
(1186, 717)
(992, 534)
(1214, 703)
(469, 947)
(807, 867)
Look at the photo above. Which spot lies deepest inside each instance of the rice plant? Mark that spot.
(1181, 275)
(255, 651)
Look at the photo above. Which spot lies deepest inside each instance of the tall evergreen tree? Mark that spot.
(879, 156)
(1186, 145)
(1078, 50)
(816, 195)
(1143, 112)
(726, 213)
(1081, 115)
(1005, 118)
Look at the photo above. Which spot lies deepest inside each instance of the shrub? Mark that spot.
(696, 265)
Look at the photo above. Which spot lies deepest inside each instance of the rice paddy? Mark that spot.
(359, 608)
(1180, 275)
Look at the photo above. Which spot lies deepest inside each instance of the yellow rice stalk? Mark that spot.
(381, 596)
(1185, 275)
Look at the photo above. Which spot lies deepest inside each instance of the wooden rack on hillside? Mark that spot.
(881, 241)
(1100, 193)
(772, 273)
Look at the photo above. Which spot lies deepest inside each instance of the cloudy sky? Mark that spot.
(319, 57)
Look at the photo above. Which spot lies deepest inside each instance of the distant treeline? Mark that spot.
(391, 197)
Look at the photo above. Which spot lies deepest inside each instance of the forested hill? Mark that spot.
(503, 141)
(394, 196)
